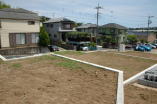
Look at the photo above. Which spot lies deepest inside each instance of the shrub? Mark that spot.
(132, 39)
(44, 39)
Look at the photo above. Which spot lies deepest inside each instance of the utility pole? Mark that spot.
(149, 22)
(98, 13)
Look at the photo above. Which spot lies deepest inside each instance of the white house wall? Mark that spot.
(15, 26)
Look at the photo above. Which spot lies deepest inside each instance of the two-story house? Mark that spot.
(114, 30)
(58, 27)
(89, 28)
(19, 31)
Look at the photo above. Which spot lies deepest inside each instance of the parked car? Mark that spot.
(85, 48)
(147, 48)
(154, 44)
(53, 48)
(150, 45)
(139, 48)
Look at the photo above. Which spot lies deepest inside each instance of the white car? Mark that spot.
(84, 48)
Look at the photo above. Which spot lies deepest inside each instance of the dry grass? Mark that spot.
(52, 80)
(129, 65)
(141, 54)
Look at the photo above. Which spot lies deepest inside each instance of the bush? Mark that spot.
(44, 39)
(132, 39)
(92, 44)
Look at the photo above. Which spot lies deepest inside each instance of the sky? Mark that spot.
(129, 13)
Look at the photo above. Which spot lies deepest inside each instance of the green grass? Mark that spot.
(41, 58)
(65, 63)
(70, 52)
(1, 61)
(16, 65)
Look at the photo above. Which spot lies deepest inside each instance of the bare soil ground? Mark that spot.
(142, 54)
(137, 95)
(129, 65)
(52, 80)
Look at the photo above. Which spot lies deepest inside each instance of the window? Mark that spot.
(20, 39)
(51, 25)
(47, 25)
(67, 26)
(35, 38)
(55, 36)
(31, 22)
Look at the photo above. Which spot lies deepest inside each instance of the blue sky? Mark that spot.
(130, 13)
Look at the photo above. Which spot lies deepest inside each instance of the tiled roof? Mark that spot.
(62, 19)
(18, 13)
(114, 25)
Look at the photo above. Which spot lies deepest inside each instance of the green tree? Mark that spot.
(44, 19)
(132, 39)
(44, 39)
(3, 5)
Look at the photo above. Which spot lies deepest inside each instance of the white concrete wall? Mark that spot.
(15, 26)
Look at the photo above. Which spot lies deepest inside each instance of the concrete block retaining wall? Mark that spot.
(20, 51)
(147, 83)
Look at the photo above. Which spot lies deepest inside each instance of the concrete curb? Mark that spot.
(36, 55)
(3, 58)
(120, 86)
(135, 77)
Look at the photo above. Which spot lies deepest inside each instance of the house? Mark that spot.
(58, 27)
(19, 31)
(89, 28)
(149, 36)
(114, 30)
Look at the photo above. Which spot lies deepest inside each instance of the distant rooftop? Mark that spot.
(62, 19)
(18, 13)
(88, 25)
(114, 25)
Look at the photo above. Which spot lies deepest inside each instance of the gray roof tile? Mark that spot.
(62, 19)
(114, 25)
(19, 13)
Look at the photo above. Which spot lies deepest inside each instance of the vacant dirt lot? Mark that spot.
(142, 54)
(129, 65)
(136, 95)
(52, 80)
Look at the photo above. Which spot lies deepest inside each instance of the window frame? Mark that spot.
(31, 22)
(21, 41)
(35, 39)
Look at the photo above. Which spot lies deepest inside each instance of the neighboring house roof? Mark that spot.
(114, 25)
(62, 19)
(88, 25)
(18, 13)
